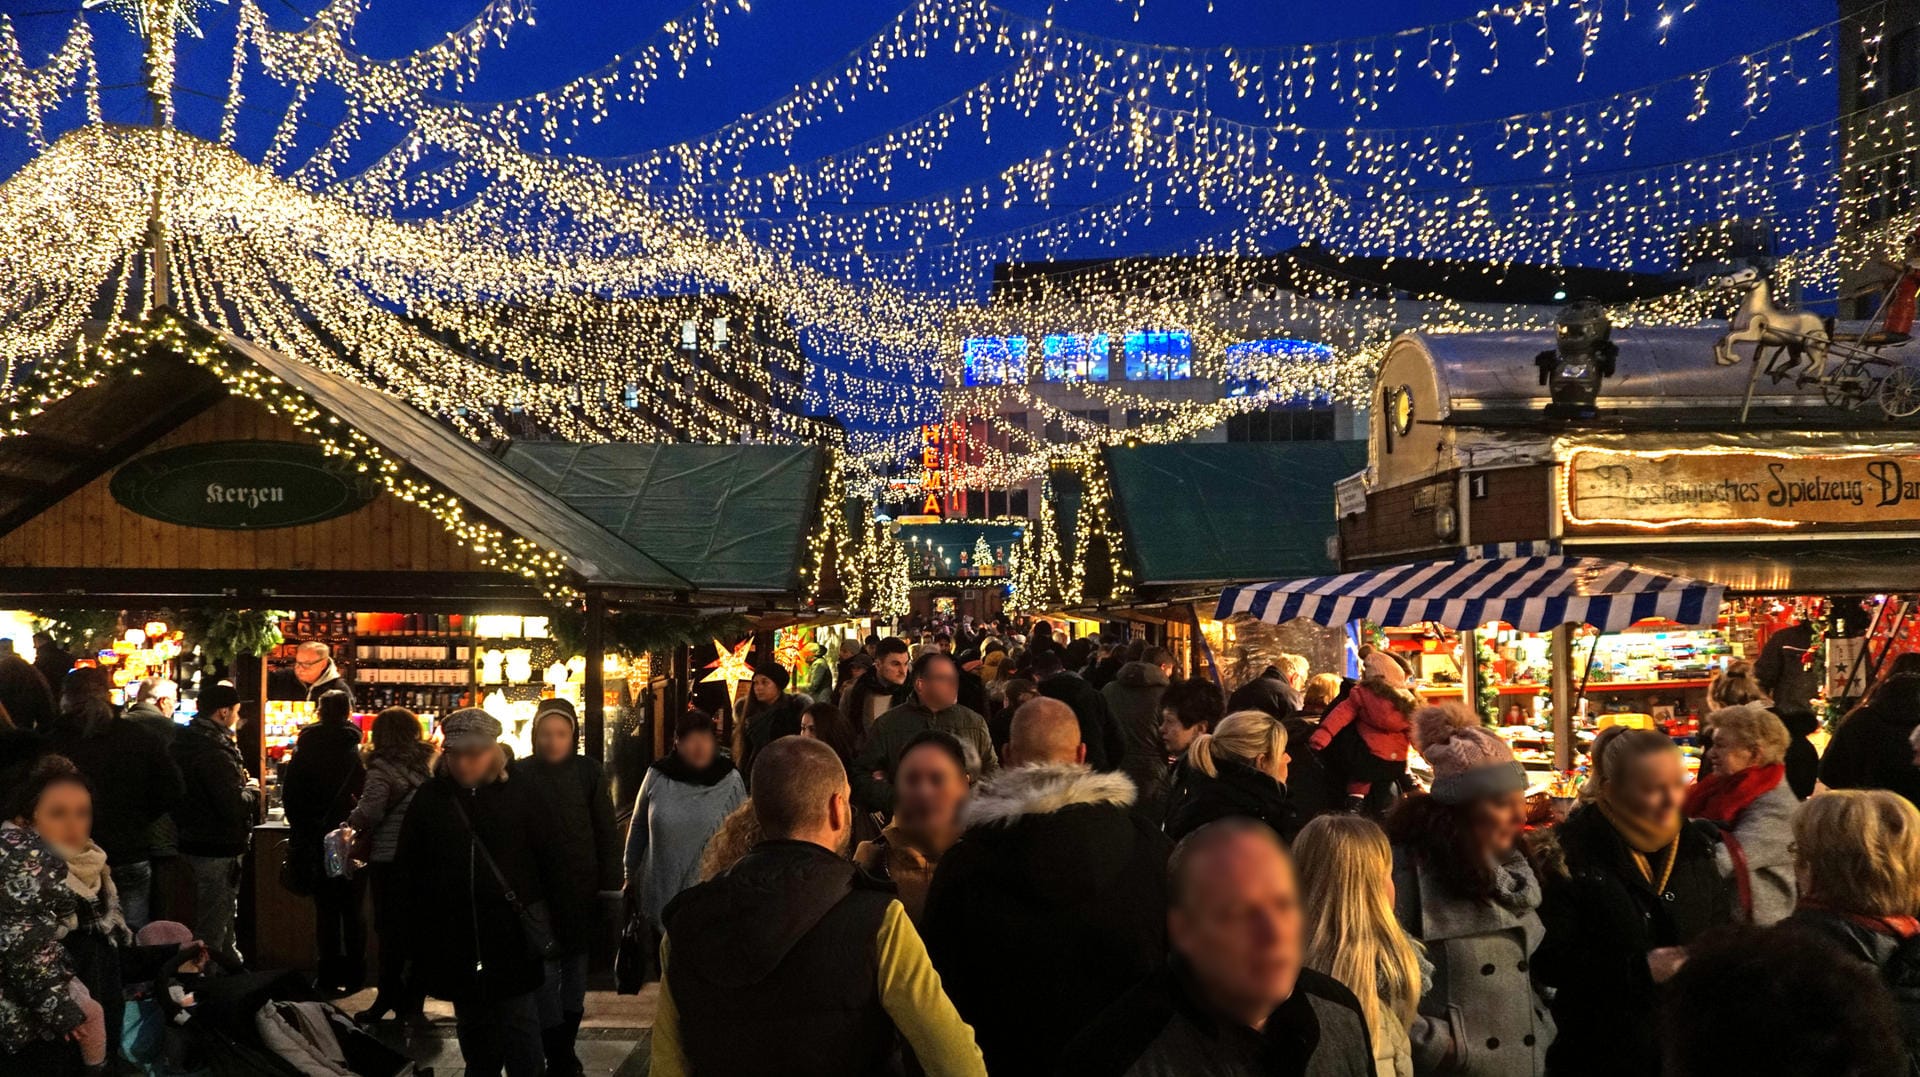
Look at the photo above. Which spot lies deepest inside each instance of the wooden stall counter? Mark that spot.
(283, 921)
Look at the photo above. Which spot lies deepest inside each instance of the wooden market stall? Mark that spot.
(1775, 490)
(204, 472)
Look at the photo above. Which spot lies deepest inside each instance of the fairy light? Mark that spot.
(485, 272)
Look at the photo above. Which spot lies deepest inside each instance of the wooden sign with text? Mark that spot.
(1713, 488)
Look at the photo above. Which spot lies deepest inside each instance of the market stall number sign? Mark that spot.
(1711, 488)
(241, 485)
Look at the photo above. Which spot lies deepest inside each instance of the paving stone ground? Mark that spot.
(614, 1037)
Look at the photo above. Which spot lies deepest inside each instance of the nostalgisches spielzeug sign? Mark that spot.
(1765, 489)
(241, 485)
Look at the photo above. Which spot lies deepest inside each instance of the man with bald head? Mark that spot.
(1235, 999)
(793, 961)
(1054, 901)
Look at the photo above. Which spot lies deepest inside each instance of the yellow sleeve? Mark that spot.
(910, 992)
(668, 1058)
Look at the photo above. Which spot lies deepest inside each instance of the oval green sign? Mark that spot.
(241, 485)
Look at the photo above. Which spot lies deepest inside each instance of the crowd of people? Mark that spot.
(1114, 870)
(1095, 867)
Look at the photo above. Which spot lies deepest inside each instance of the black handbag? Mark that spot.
(637, 962)
(535, 926)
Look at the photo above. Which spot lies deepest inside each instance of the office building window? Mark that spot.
(1158, 355)
(994, 361)
(1903, 62)
(1283, 423)
(1071, 357)
(1057, 429)
(1250, 363)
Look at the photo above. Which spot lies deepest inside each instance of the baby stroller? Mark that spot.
(260, 1024)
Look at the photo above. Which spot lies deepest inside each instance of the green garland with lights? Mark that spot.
(167, 334)
(1038, 576)
(1097, 522)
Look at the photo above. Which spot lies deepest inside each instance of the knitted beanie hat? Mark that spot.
(1469, 761)
(774, 672)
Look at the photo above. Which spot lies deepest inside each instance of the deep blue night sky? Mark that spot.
(784, 42)
(764, 53)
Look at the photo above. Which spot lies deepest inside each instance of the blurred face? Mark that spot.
(1653, 787)
(1730, 756)
(64, 816)
(1238, 925)
(1176, 736)
(553, 741)
(469, 766)
(808, 728)
(764, 690)
(892, 668)
(945, 645)
(938, 686)
(696, 749)
(1497, 822)
(929, 789)
(308, 665)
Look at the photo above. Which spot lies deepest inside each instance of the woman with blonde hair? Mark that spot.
(1322, 689)
(1240, 768)
(1346, 880)
(1744, 792)
(1857, 859)
(1637, 884)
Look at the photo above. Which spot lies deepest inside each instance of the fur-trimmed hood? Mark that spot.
(1401, 699)
(1042, 790)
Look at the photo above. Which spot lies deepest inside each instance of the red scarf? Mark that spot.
(1722, 797)
(1900, 927)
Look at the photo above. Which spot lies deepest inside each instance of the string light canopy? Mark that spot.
(470, 256)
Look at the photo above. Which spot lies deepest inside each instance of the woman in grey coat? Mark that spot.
(399, 762)
(1463, 888)
(1743, 790)
(682, 801)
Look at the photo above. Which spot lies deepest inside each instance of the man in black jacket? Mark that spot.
(215, 817)
(1276, 690)
(1054, 901)
(1133, 699)
(1235, 1000)
(1871, 749)
(134, 782)
(1105, 749)
(881, 688)
(470, 838)
(794, 961)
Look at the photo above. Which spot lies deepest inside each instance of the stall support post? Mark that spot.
(680, 683)
(595, 687)
(1561, 653)
(1470, 671)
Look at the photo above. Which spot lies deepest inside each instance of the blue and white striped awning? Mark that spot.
(1533, 594)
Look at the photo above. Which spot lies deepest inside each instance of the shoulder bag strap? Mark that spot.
(499, 876)
(1742, 878)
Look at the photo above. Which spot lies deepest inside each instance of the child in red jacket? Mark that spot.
(1381, 705)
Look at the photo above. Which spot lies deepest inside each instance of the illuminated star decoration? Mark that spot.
(732, 665)
(180, 15)
(794, 650)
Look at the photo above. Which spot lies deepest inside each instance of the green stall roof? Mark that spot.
(1216, 512)
(727, 517)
